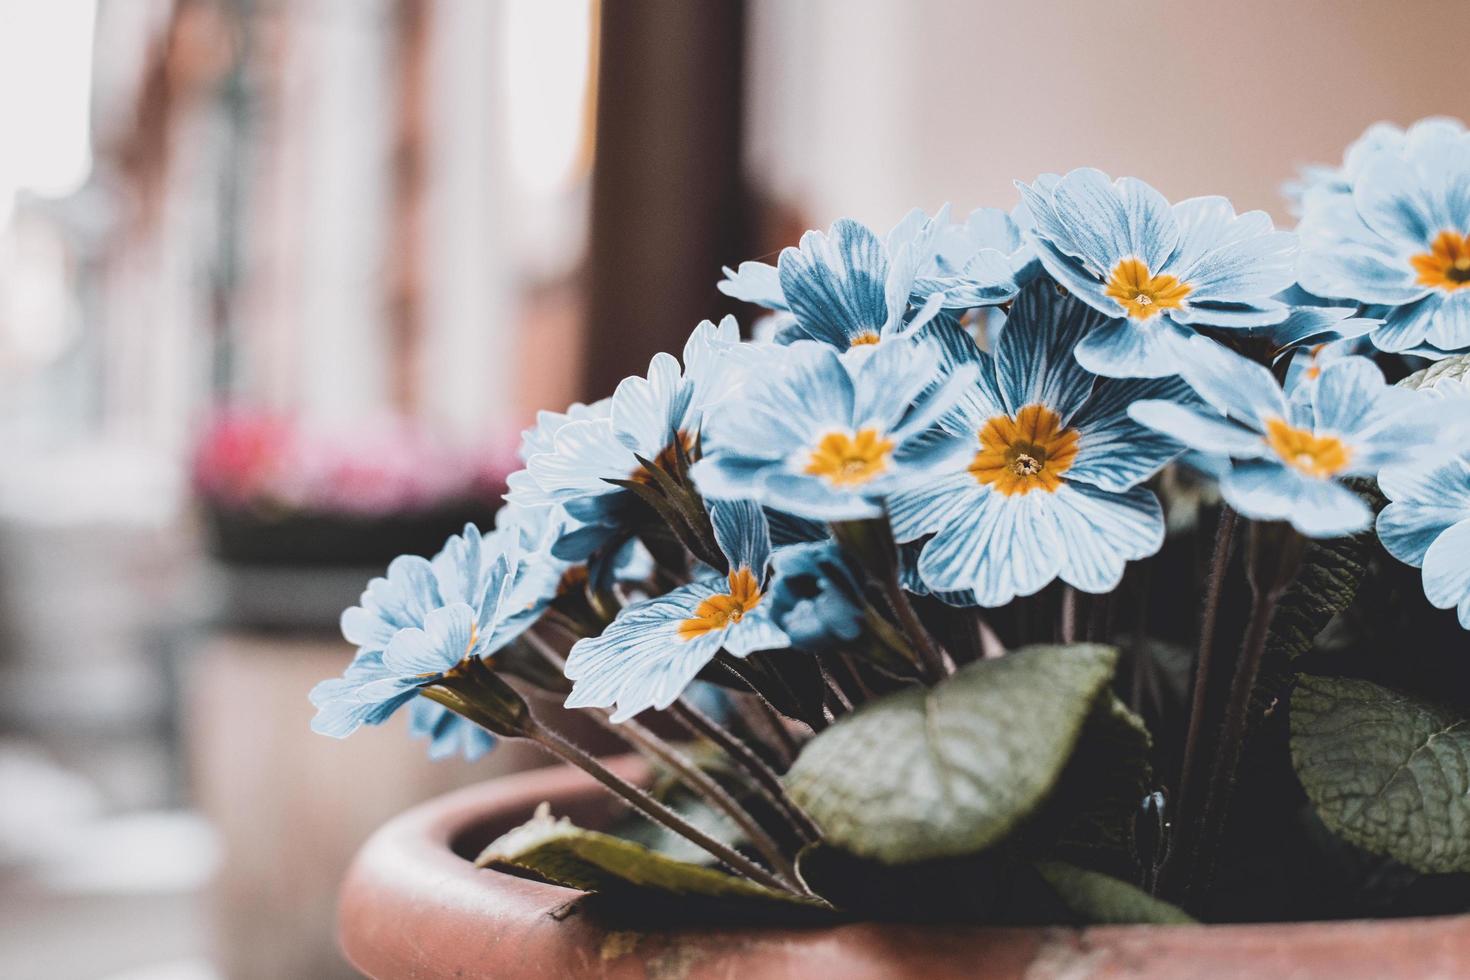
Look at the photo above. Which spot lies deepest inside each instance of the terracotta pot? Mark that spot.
(414, 906)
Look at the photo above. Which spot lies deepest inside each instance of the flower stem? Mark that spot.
(706, 786)
(1184, 803)
(652, 808)
(931, 659)
(763, 779)
(1274, 556)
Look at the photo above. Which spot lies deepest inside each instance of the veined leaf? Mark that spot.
(557, 851)
(1385, 771)
(953, 769)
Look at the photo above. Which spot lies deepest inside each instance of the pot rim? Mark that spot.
(413, 907)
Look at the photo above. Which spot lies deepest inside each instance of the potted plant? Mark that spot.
(1106, 562)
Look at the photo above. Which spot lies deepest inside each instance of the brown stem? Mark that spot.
(1219, 568)
(705, 785)
(1227, 755)
(763, 779)
(931, 659)
(651, 808)
(1069, 615)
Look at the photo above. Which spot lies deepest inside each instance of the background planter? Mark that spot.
(314, 540)
(414, 906)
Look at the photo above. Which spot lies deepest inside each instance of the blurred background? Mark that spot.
(281, 280)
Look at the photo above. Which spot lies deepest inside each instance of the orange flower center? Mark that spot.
(666, 457)
(719, 611)
(864, 338)
(1447, 263)
(1144, 295)
(848, 459)
(1307, 452)
(1025, 453)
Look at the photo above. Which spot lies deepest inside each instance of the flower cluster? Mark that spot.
(946, 441)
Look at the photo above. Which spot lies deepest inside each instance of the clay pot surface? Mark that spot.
(414, 906)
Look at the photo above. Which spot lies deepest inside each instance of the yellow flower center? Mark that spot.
(719, 611)
(1144, 295)
(1025, 453)
(850, 459)
(1446, 264)
(1307, 452)
(865, 338)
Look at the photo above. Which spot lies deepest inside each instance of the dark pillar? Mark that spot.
(667, 206)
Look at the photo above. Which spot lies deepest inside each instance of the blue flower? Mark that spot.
(1427, 525)
(1314, 334)
(816, 599)
(842, 288)
(448, 733)
(1321, 181)
(847, 288)
(653, 650)
(1043, 465)
(376, 684)
(828, 437)
(1397, 242)
(425, 617)
(652, 417)
(982, 262)
(1156, 270)
(1287, 455)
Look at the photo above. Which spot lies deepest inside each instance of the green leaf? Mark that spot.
(557, 851)
(1091, 811)
(1096, 897)
(1385, 771)
(953, 769)
(1331, 573)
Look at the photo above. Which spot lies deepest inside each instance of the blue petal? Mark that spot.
(1426, 500)
(1447, 572)
(1101, 532)
(1113, 220)
(587, 454)
(646, 412)
(1084, 283)
(836, 284)
(1205, 433)
(1004, 547)
(1390, 199)
(1263, 490)
(444, 641)
(1113, 451)
(1129, 349)
(1034, 360)
(936, 504)
(755, 282)
(743, 535)
(639, 661)
(1451, 327)
(1354, 271)
(1406, 327)
(1234, 385)
(755, 632)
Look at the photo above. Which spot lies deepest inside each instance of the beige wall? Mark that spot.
(869, 107)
